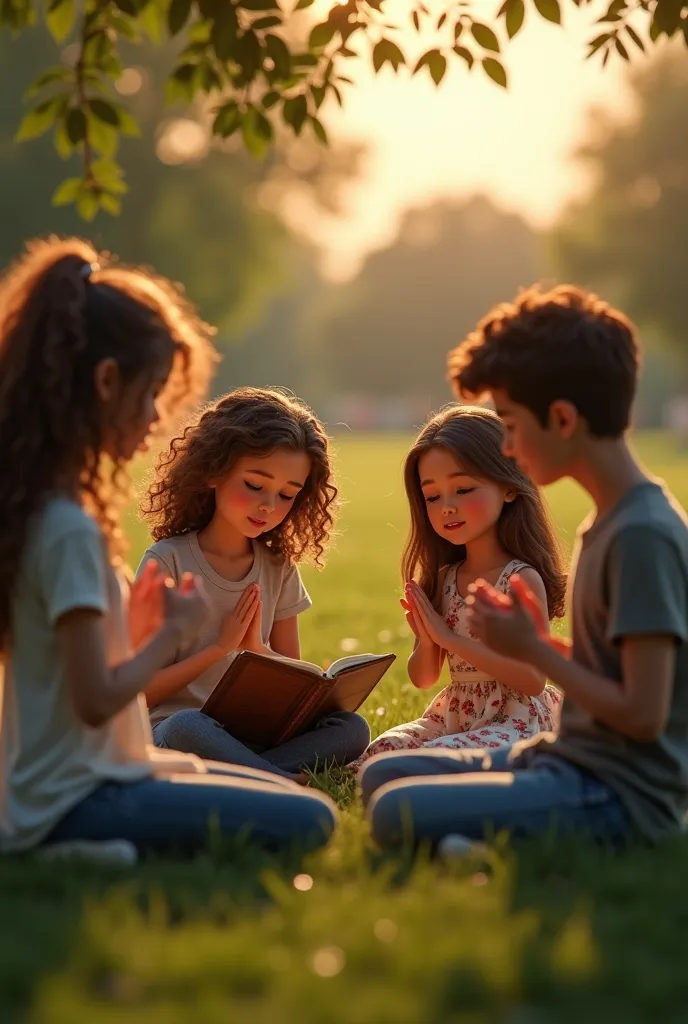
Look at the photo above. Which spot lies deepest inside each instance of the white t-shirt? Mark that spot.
(49, 759)
(282, 592)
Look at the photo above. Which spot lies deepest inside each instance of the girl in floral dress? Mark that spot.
(474, 515)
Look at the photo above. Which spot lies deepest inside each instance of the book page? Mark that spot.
(307, 666)
(351, 662)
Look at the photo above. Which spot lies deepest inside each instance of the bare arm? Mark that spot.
(175, 677)
(100, 691)
(632, 707)
(284, 637)
(425, 664)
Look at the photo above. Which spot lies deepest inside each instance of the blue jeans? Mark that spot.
(337, 739)
(426, 794)
(176, 814)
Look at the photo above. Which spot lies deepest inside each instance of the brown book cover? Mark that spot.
(265, 700)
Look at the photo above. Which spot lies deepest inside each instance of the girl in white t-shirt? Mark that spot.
(239, 499)
(91, 353)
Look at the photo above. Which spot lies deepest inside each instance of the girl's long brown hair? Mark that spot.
(64, 307)
(474, 437)
(248, 421)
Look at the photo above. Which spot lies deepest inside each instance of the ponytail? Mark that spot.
(63, 309)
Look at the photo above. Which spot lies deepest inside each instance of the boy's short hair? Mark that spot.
(545, 346)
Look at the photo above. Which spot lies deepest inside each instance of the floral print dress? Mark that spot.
(474, 710)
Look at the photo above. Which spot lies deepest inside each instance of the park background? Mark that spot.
(346, 274)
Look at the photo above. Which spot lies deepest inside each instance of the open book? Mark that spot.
(265, 699)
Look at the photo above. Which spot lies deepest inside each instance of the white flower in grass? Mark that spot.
(349, 644)
(385, 636)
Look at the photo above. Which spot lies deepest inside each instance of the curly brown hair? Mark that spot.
(545, 346)
(245, 422)
(474, 436)
(64, 307)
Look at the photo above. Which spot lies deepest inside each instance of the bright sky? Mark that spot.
(470, 135)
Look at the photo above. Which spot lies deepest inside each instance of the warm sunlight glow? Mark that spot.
(469, 135)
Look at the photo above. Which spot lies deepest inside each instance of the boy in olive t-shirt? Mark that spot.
(561, 368)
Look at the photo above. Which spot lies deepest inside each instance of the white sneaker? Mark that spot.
(109, 852)
(453, 848)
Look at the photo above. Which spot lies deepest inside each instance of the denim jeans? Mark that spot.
(337, 739)
(426, 794)
(175, 814)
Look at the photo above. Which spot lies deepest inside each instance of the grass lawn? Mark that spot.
(544, 932)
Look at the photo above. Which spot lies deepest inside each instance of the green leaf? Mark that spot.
(337, 94)
(111, 204)
(270, 99)
(318, 92)
(303, 4)
(295, 111)
(180, 85)
(495, 70)
(109, 174)
(63, 146)
(127, 7)
(458, 29)
(259, 5)
(257, 132)
(76, 126)
(515, 14)
(67, 192)
(304, 60)
(40, 119)
(249, 54)
(416, 20)
(484, 36)
(103, 137)
(465, 54)
(436, 64)
(387, 52)
(105, 112)
(49, 77)
(549, 10)
(227, 120)
(178, 15)
(128, 125)
(153, 21)
(87, 205)
(278, 51)
(60, 18)
(321, 35)
(319, 130)
(224, 34)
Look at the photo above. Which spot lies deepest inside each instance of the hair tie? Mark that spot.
(88, 269)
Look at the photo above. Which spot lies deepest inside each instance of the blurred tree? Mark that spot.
(627, 237)
(387, 333)
(193, 210)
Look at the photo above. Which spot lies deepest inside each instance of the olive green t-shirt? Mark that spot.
(630, 578)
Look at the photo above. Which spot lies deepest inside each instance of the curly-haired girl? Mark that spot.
(243, 495)
(92, 355)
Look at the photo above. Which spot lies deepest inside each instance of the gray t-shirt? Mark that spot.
(631, 579)
(50, 760)
(282, 592)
